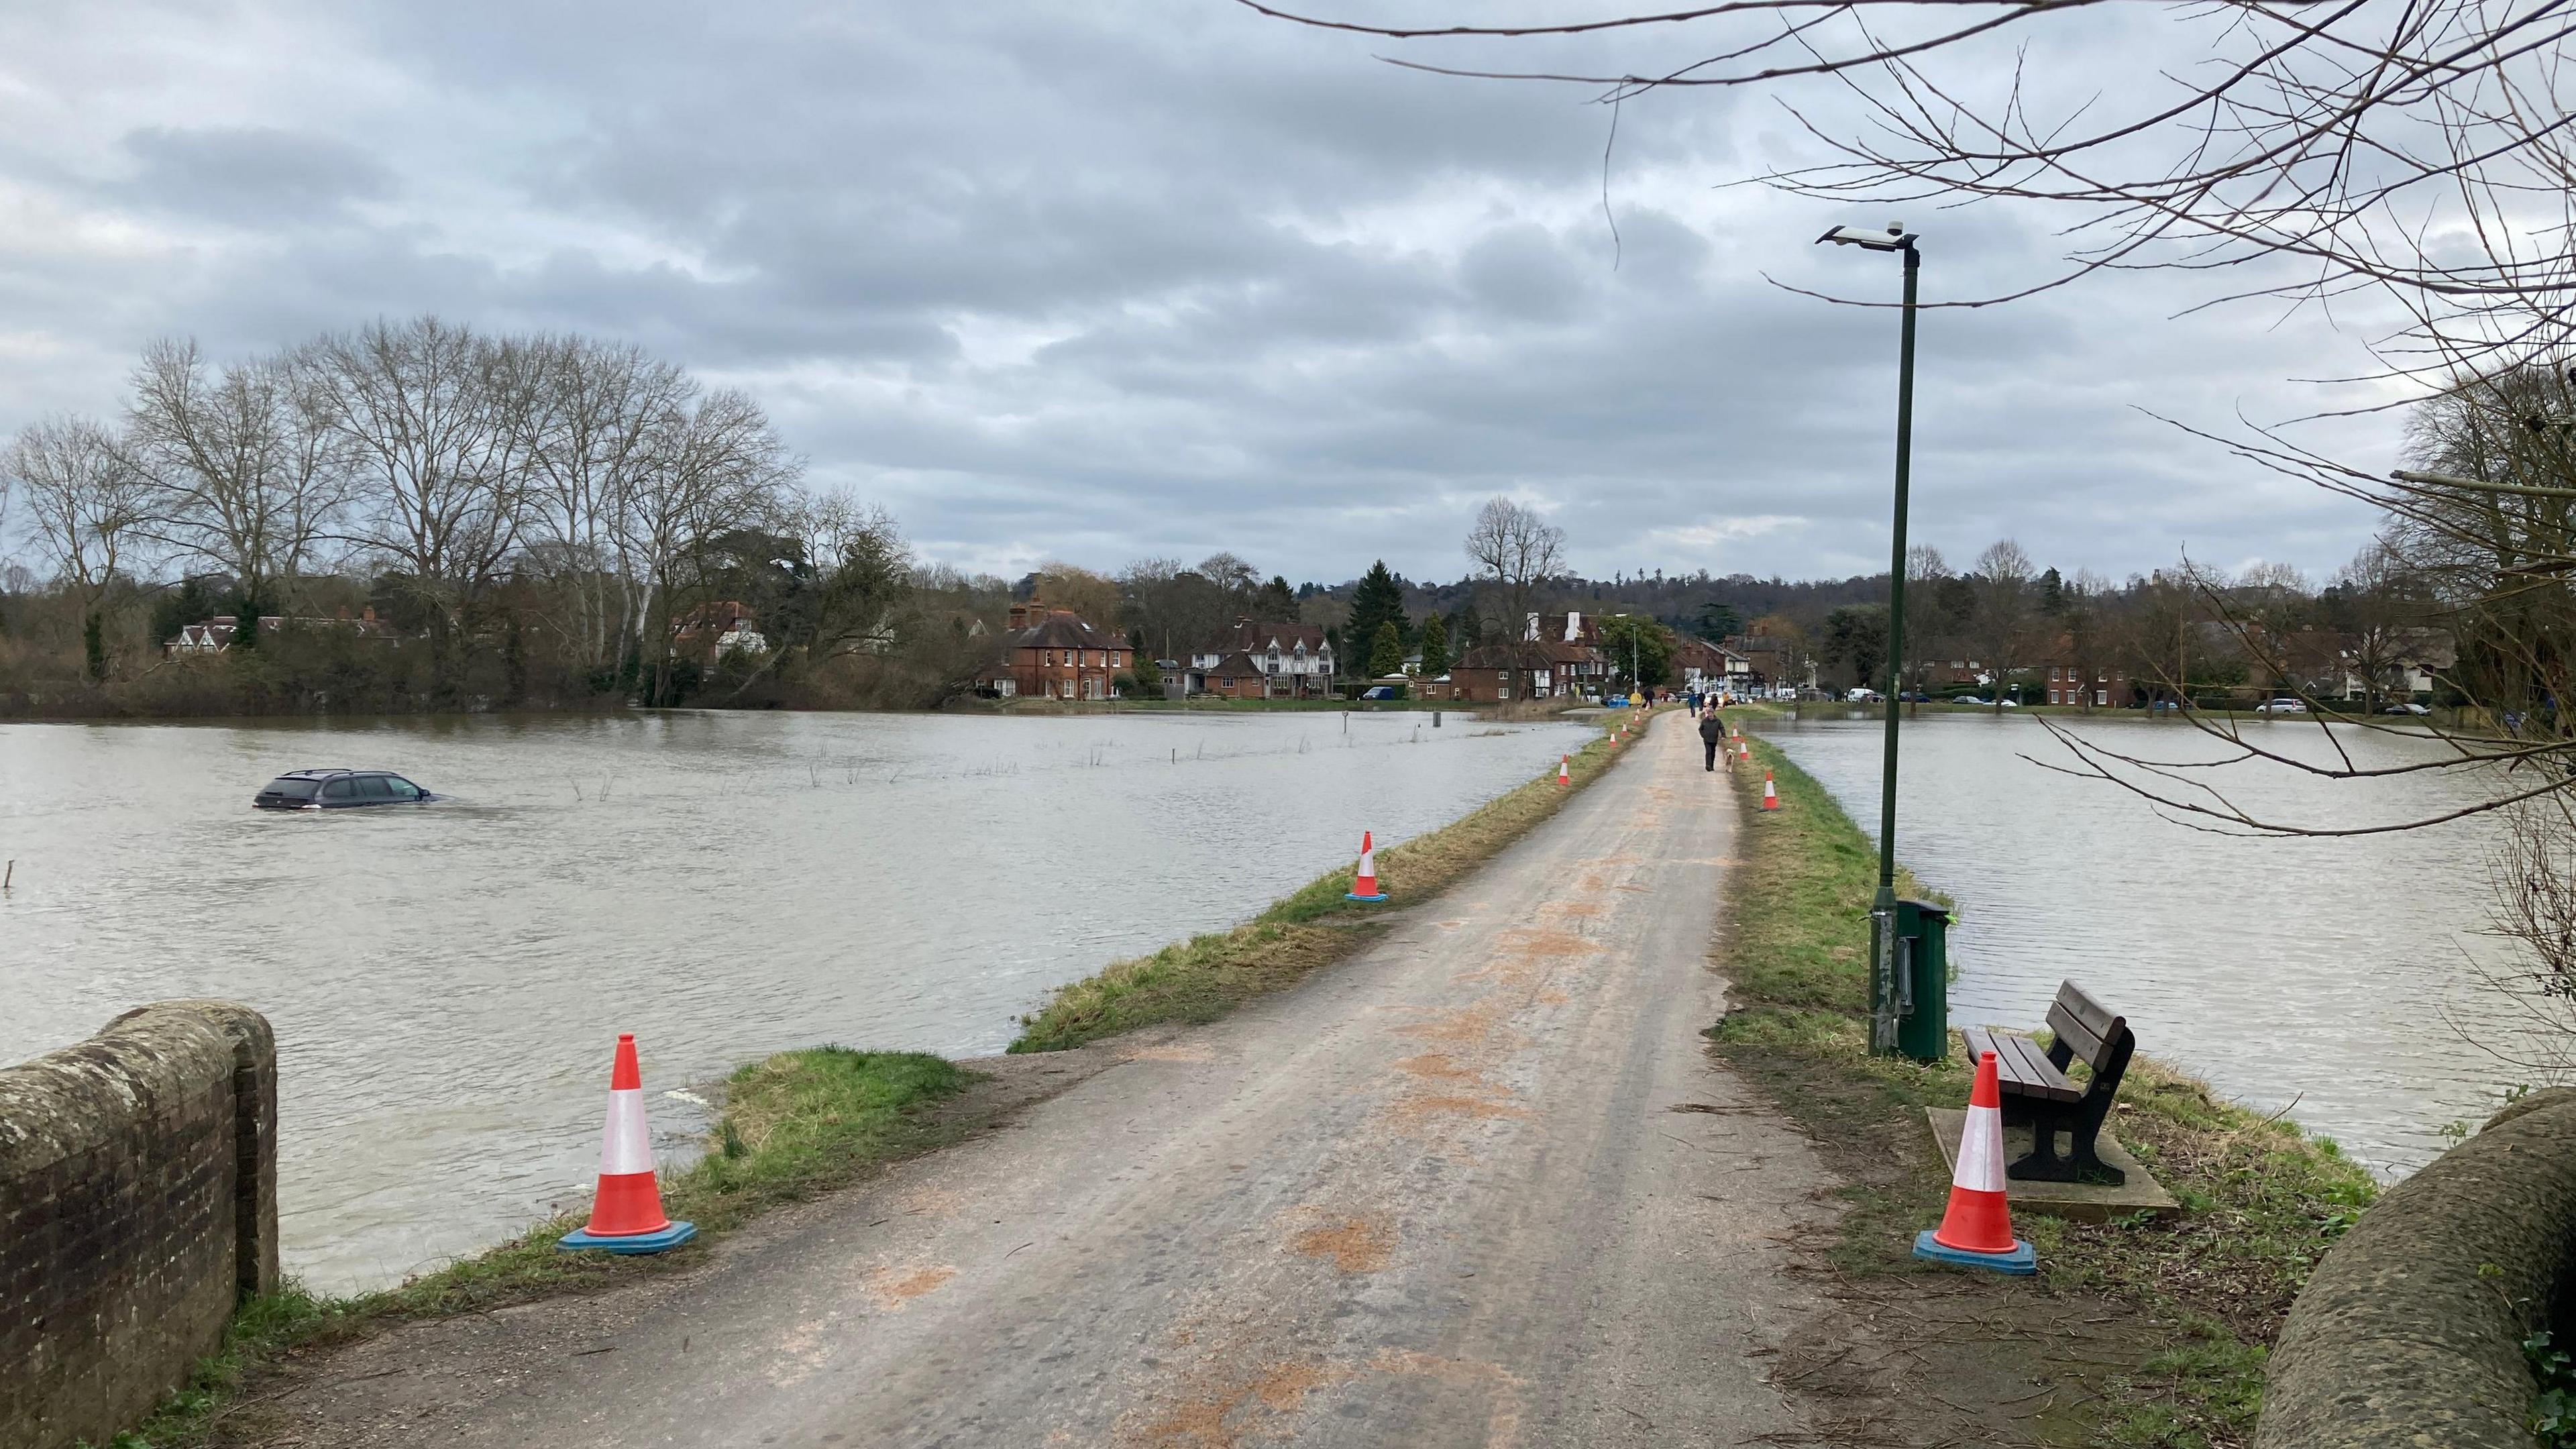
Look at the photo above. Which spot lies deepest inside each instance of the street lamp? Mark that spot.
(1882, 908)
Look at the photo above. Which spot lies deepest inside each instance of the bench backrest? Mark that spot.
(2085, 1026)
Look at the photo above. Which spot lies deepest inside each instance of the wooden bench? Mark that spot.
(2037, 1092)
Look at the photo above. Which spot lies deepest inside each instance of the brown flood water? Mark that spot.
(446, 981)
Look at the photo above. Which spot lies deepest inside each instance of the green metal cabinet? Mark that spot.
(1922, 980)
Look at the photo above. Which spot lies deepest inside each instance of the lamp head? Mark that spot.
(1894, 239)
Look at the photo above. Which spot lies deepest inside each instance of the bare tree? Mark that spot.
(1926, 636)
(601, 414)
(88, 504)
(2006, 609)
(718, 467)
(426, 409)
(245, 472)
(2083, 613)
(1519, 551)
(2378, 620)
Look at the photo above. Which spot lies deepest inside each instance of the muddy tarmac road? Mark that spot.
(1478, 1185)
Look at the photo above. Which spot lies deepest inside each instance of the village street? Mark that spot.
(1478, 1185)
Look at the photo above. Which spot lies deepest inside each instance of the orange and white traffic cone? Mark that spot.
(1976, 1231)
(1364, 885)
(1770, 792)
(626, 1216)
(1562, 777)
(1746, 746)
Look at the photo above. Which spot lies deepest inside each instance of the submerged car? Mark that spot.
(338, 790)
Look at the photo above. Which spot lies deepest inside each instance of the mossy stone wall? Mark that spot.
(2410, 1331)
(138, 1206)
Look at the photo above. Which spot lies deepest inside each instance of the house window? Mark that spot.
(2101, 696)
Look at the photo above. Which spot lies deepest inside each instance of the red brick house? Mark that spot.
(1235, 675)
(2065, 680)
(1492, 673)
(1054, 654)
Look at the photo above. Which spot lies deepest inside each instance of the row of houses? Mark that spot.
(704, 634)
(1050, 653)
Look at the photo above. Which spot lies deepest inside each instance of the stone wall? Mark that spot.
(138, 1206)
(2411, 1330)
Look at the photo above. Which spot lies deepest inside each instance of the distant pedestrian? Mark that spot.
(1711, 734)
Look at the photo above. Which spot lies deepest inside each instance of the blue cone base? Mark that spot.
(1355, 896)
(661, 1242)
(2021, 1262)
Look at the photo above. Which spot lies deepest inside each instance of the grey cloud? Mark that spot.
(255, 175)
(1162, 278)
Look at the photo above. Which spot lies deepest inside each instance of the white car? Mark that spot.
(2404, 707)
(2282, 706)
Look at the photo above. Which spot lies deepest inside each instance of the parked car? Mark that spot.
(1972, 699)
(2404, 707)
(338, 790)
(1863, 696)
(2282, 706)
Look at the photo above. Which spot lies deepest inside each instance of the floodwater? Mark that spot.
(2350, 981)
(446, 981)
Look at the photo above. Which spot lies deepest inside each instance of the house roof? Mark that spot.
(1236, 662)
(1253, 637)
(1504, 656)
(1553, 628)
(1064, 629)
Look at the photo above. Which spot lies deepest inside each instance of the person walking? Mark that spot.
(1711, 734)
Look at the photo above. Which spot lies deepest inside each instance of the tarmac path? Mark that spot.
(1479, 1184)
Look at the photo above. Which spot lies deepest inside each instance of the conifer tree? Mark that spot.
(1386, 654)
(1435, 647)
(1379, 599)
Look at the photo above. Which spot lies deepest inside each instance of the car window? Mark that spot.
(340, 790)
(401, 788)
(289, 787)
(372, 787)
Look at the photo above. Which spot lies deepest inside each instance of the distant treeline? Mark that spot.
(538, 521)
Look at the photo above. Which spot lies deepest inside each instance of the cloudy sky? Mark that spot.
(1161, 277)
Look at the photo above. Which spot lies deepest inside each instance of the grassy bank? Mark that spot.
(1208, 975)
(794, 1124)
(2203, 1297)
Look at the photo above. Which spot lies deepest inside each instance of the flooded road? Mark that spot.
(446, 981)
(2341, 979)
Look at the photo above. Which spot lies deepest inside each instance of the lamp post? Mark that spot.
(1882, 909)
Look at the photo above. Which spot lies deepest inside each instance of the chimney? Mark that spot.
(1019, 616)
(368, 613)
(1573, 626)
(1531, 633)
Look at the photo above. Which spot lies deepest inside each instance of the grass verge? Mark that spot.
(794, 1124)
(1208, 975)
(2209, 1291)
